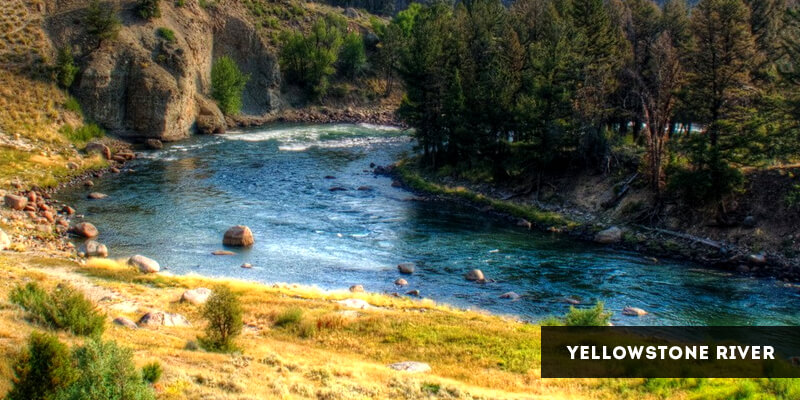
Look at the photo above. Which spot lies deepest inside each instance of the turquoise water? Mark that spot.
(180, 200)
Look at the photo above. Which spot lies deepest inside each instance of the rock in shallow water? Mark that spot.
(633, 312)
(238, 236)
(85, 229)
(406, 268)
(475, 275)
(609, 236)
(93, 248)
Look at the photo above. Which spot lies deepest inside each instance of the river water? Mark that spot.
(180, 200)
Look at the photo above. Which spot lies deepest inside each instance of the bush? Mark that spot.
(66, 71)
(106, 372)
(63, 308)
(152, 372)
(71, 104)
(591, 317)
(83, 134)
(227, 85)
(167, 34)
(102, 21)
(224, 315)
(149, 9)
(353, 57)
(291, 316)
(42, 370)
(308, 60)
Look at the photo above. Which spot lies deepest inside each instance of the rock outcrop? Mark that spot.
(143, 86)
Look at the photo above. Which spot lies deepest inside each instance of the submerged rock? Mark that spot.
(247, 265)
(144, 264)
(411, 366)
(406, 268)
(609, 236)
(196, 296)
(401, 282)
(414, 292)
(223, 253)
(510, 296)
(239, 236)
(633, 312)
(357, 288)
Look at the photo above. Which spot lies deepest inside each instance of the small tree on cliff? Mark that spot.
(149, 9)
(227, 84)
(102, 21)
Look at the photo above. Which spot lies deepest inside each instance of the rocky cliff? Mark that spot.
(144, 85)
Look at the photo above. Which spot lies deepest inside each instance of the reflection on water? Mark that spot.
(180, 200)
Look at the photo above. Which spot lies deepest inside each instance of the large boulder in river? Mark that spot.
(239, 236)
(93, 248)
(85, 229)
(144, 264)
(196, 296)
(5, 242)
(406, 268)
(609, 236)
(15, 202)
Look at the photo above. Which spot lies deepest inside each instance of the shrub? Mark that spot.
(227, 85)
(83, 134)
(152, 372)
(71, 104)
(352, 57)
(42, 370)
(290, 316)
(308, 60)
(102, 21)
(224, 315)
(167, 34)
(63, 308)
(66, 70)
(149, 9)
(595, 316)
(106, 373)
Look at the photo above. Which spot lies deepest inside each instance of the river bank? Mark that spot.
(653, 243)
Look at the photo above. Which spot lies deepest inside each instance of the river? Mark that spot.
(180, 200)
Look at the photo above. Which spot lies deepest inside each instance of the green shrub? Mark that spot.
(227, 85)
(595, 316)
(107, 372)
(66, 70)
(72, 105)
(42, 370)
(291, 316)
(63, 308)
(102, 21)
(167, 34)
(180, 3)
(152, 372)
(224, 315)
(353, 56)
(83, 134)
(149, 9)
(308, 59)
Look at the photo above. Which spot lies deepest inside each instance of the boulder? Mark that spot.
(475, 275)
(93, 248)
(98, 148)
(48, 216)
(239, 235)
(510, 296)
(210, 119)
(524, 223)
(247, 265)
(364, 188)
(97, 196)
(125, 322)
(144, 264)
(68, 210)
(196, 296)
(161, 318)
(84, 229)
(757, 259)
(154, 144)
(15, 202)
(223, 253)
(410, 366)
(633, 312)
(351, 12)
(401, 282)
(609, 236)
(414, 292)
(406, 268)
(5, 241)
(357, 288)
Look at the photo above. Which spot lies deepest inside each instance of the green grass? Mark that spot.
(71, 104)
(539, 217)
(291, 316)
(84, 134)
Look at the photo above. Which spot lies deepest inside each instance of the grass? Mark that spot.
(167, 34)
(411, 176)
(62, 308)
(82, 135)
